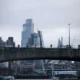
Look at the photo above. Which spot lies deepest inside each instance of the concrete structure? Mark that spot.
(7, 54)
(28, 29)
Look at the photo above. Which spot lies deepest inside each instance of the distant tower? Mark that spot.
(59, 43)
(41, 39)
(10, 42)
(1, 42)
(34, 40)
(28, 29)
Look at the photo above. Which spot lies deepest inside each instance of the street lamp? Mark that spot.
(69, 34)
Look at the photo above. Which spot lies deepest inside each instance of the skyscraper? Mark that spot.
(10, 42)
(28, 29)
(60, 42)
(1, 42)
(31, 39)
(34, 41)
(41, 39)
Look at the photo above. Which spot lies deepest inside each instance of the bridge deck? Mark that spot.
(9, 54)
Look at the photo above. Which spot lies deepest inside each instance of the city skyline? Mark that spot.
(52, 19)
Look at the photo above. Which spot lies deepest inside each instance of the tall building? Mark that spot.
(1, 42)
(41, 39)
(31, 39)
(34, 41)
(10, 42)
(28, 29)
(60, 43)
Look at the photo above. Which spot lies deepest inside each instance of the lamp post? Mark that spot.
(69, 34)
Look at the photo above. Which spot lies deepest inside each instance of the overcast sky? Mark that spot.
(49, 16)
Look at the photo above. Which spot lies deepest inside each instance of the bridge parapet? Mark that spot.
(7, 54)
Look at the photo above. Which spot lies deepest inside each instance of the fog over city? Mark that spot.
(50, 16)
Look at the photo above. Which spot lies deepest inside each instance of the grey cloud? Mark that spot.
(46, 15)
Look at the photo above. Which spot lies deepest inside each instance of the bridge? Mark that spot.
(14, 53)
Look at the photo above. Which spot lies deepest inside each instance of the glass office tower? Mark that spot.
(28, 29)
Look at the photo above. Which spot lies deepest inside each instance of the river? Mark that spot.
(33, 79)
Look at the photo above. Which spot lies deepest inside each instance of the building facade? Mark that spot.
(34, 41)
(28, 29)
(29, 37)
